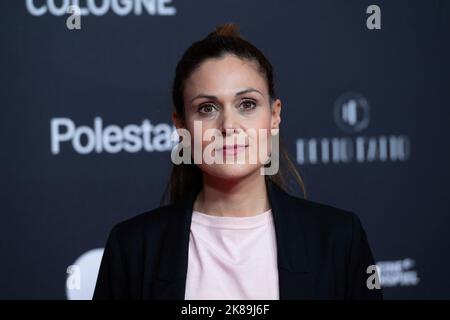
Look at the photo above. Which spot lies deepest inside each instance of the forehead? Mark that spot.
(224, 76)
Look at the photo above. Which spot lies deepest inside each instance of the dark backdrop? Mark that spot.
(376, 100)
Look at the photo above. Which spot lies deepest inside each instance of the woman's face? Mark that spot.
(230, 95)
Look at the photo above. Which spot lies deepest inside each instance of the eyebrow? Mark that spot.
(202, 95)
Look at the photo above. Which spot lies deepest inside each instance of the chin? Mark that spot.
(230, 171)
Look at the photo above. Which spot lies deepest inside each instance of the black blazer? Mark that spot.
(322, 252)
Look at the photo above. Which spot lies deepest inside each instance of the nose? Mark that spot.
(229, 124)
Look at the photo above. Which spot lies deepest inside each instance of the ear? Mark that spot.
(276, 114)
(177, 120)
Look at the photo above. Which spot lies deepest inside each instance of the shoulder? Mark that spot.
(146, 224)
(325, 219)
(338, 247)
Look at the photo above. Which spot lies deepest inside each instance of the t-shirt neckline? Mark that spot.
(228, 222)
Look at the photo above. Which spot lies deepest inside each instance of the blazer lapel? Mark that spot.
(294, 270)
(170, 280)
(295, 276)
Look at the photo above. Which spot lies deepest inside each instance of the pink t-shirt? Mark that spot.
(232, 258)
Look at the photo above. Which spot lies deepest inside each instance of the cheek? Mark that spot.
(262, 121)
(199, 136)
(260, 131)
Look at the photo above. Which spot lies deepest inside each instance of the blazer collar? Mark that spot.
(295, 281)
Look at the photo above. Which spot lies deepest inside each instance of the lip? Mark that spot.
(233, 149)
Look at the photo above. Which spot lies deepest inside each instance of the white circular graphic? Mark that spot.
(82, 275)
(351, 112)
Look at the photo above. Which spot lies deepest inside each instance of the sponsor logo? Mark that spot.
(102, 7)
(352, 115)
(398, 273)
(66, 136)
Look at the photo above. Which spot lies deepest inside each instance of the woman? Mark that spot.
(231, 232)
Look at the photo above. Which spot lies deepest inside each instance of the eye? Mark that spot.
(248, 105)
(206, 108)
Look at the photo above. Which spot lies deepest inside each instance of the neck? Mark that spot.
(241, 197)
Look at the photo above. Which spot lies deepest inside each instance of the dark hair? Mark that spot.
(224, 40)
